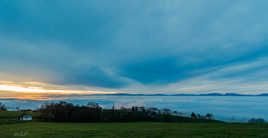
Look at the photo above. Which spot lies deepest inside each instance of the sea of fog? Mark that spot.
(226, 108)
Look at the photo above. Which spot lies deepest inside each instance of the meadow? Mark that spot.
(133, 130)
(10, 127)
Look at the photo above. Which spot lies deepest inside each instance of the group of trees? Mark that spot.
(208, 116)
(64, 112)
(92, 112)
(256, 120)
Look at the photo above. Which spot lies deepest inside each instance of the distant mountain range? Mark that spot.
(208, 94)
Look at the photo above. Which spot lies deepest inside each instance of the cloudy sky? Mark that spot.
(152, 46)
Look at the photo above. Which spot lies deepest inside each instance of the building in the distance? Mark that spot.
(25, 117)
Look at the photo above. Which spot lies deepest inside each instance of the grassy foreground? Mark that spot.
(133, 130)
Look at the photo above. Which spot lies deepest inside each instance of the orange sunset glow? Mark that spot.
(31, 90)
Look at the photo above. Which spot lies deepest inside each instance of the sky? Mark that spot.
(152, 46)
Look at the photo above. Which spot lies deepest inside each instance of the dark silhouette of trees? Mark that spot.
(93, 112)
(209, 116)
(67, 112)
(258, 120)
(193, 115)
(2, 107)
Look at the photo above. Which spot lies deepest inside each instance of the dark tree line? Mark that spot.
(208, 116)
(65, 112)
(92, 112)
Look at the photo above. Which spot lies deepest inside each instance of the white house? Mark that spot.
(26, 117)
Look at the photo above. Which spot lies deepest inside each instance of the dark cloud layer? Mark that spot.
(125, 44)
(93, 76)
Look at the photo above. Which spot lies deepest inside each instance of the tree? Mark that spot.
(166, 111)
(2, 107)
(209, 116)
(18, 108)
(193, 115)
(93, 105)
(199, 116)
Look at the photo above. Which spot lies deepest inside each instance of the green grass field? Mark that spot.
(15, 114)
(134, 130)
(10, 127)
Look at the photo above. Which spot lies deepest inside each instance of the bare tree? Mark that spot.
(193, 115)
(209, 116)
(2, 107)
